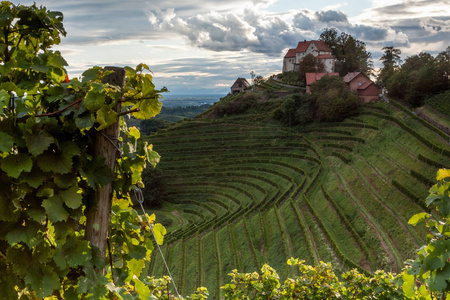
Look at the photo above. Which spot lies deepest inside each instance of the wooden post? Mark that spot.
(99, 215)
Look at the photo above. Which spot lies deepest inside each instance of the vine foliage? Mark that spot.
(49, 172)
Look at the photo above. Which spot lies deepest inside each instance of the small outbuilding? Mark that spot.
(239, 85)
(360, 83)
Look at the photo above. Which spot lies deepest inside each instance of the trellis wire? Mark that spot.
(140, 199)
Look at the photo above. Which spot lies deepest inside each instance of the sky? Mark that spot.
(203, 46)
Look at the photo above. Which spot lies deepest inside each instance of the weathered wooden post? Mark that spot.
(106, 140)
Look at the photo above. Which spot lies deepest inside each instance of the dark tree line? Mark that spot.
(420, 77)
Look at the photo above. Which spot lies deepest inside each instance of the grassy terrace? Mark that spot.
(241, 194)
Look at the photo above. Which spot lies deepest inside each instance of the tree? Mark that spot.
(391, 61)
(309, 64)
(50, 173)
(333, 99)
(350, 53)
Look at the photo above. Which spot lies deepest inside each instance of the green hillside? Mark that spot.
(239, 193)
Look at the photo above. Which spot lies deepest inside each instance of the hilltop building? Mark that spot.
(239, 85)
(319, 49)
(360, 83)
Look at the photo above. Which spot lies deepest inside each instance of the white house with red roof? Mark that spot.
(319, 49)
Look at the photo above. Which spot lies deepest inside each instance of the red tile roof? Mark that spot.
(314, 77)
(322, 46)
(365, 85)
(290, 53)
(302, 46)
(350, 76)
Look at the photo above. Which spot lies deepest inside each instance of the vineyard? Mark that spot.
(242, 194)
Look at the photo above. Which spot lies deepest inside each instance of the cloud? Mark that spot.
(434, 26)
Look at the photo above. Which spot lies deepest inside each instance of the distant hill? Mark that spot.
(239, 190)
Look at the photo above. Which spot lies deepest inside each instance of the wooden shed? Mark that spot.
(239, 85)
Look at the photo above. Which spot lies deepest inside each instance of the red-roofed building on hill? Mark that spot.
(360, 83)
(319, 49)
(314, 77)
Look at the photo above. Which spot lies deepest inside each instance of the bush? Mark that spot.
(235, 105)
(296, 109)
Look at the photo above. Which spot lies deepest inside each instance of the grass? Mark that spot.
(235, 194)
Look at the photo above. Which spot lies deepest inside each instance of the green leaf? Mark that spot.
(135, 267)
(72, 197)
(77, 252)
(105, 117)
(159, 232)
(142, 289)
(134, 132)
(84, 122)
(6, 141)
(56, 163)
(4, 100)
(42, 280)
(55, 209)
(14, 165)
(95, 98)
(418, 218)
(90, 74)
(27, 234)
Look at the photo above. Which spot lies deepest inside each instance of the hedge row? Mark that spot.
(339, 146)
(326, 130)
(348, 224)
(414, 133)
(308, 238)
(422, 121)
(421, 178)
(252, 247)
(430, 162)
(342, 157)
(341, 138)
(350, 124)
(347, 262)
(410, 195)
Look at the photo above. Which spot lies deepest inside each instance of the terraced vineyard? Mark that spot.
(243, 194)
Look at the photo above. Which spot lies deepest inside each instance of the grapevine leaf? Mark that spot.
(38, 142)
(418, 218)
(77, 252)
(6, 141)
(135, 133)
(26, 234)
(90, 74)
(135, 267)
(4, 99)
(56, 163)
(105, 117)
(96, 172)
(42, 280)
(20, 259)
(55, 209)
(45, 192)
(142, 289)
(159, 231)
(152, 156)
(13, 165)
(64, 181)
(72, 197)
(35, 178)
(95, 98)
(443, 173)
(36, 214)
(84, 122)
(8, 212)
(149, 108)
